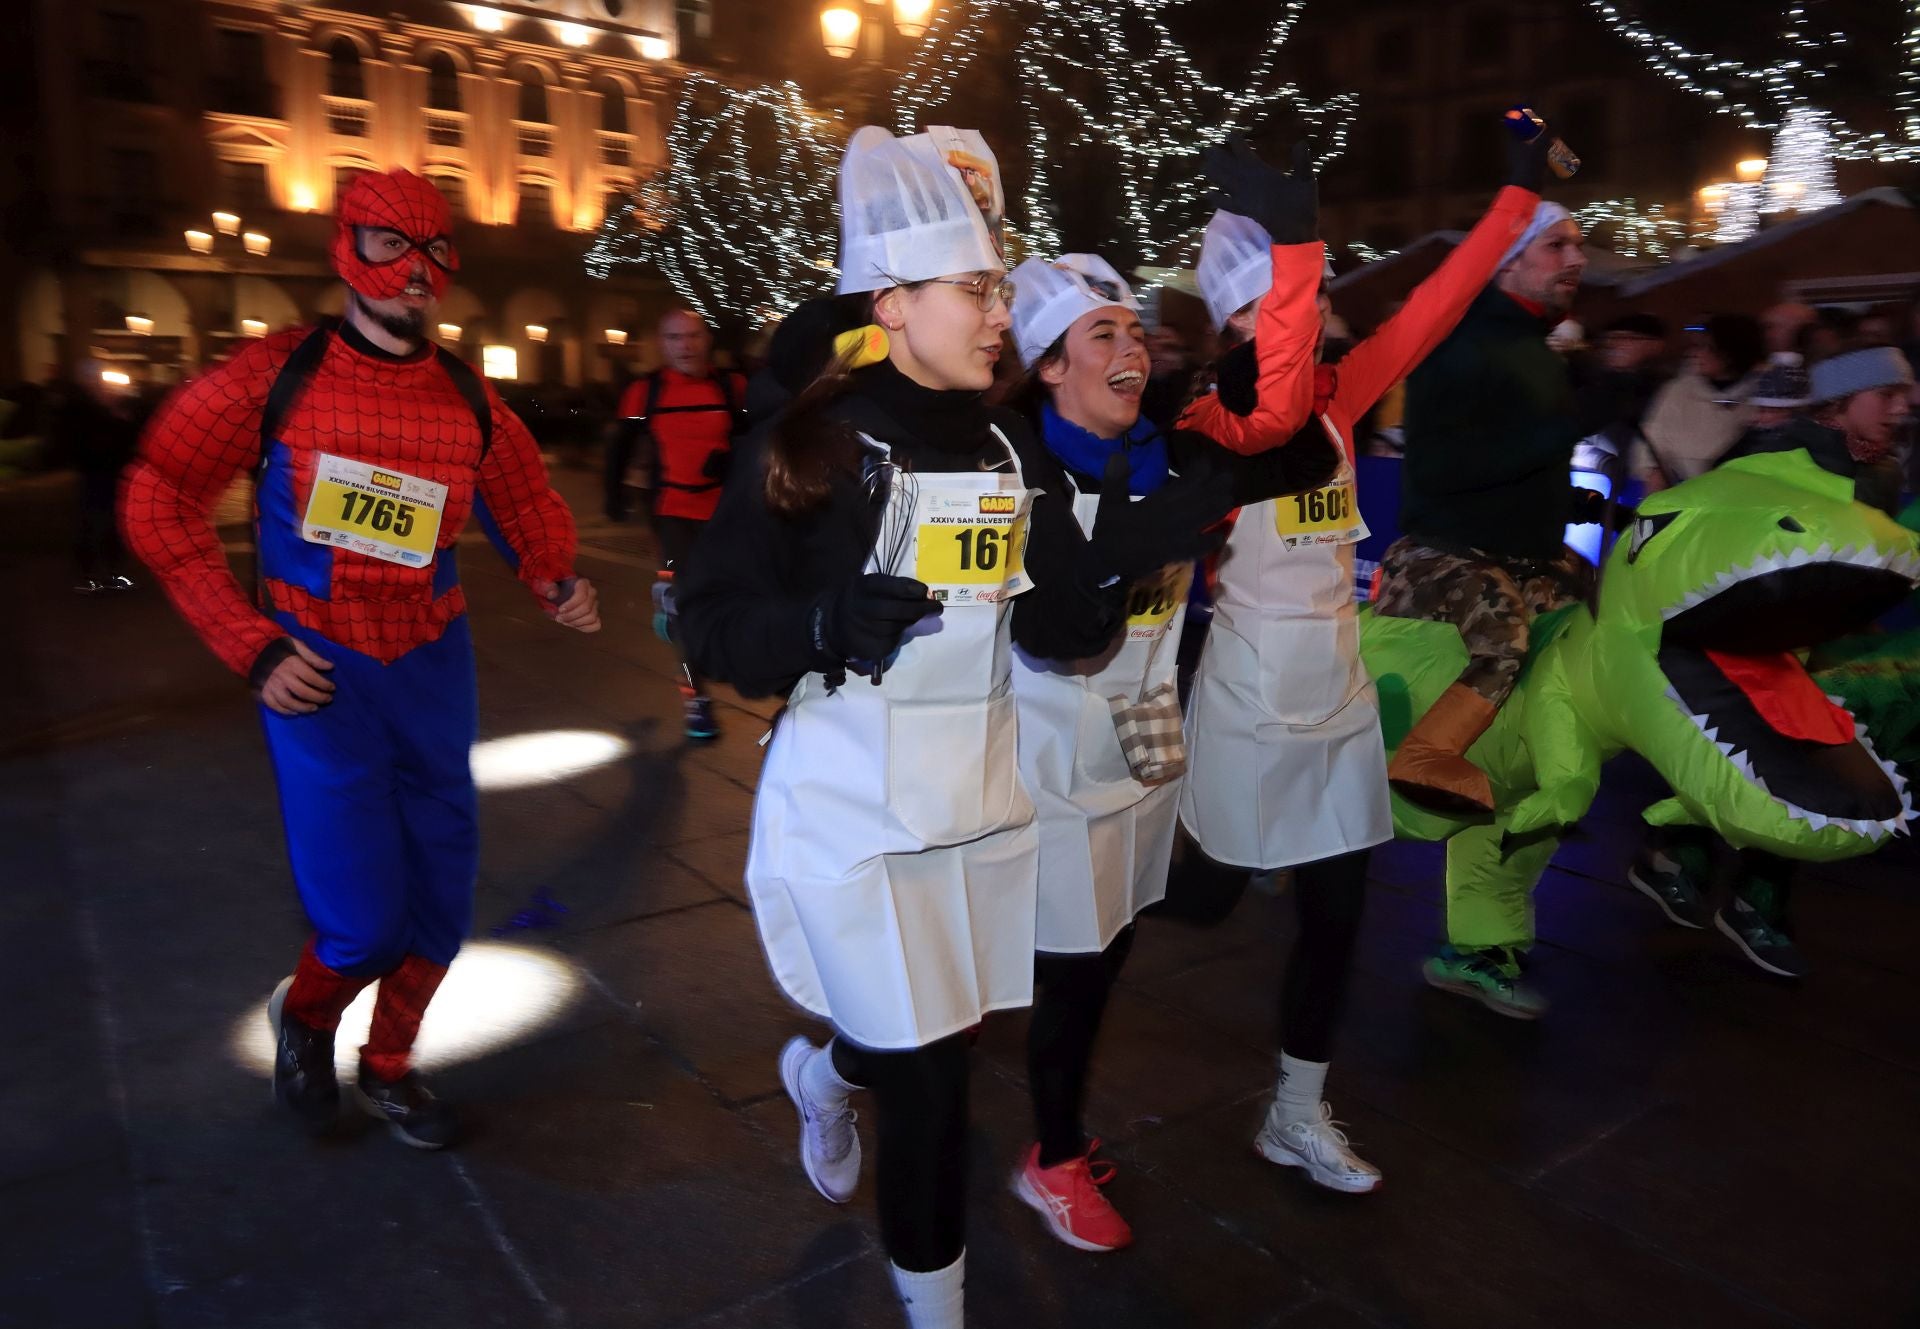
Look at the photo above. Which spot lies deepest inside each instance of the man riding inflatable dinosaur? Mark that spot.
(1689, 661)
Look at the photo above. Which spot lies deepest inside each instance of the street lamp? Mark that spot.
(227, 223)
(200, 242)
(912, 16)
(257, 244)
(1751, 169)
(840, 23)
(840, 31)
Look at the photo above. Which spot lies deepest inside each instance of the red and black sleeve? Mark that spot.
(533, 521)
(199, 441)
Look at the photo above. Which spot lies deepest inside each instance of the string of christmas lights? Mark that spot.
(1800, 167)
(1633, 231)
(735, 243)
(1765, 97)
(1114, 72)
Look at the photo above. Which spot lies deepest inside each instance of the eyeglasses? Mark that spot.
(985, 289)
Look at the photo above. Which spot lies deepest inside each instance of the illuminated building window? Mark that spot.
(536, 204)
(344, 75)
(455, 188)
(244, 188)
(443, 83)
(533, 97)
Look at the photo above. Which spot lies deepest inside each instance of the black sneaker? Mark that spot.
(303, 1076)
(1663, 881)
(1759, 940)
(700, 725)
(409, 1109)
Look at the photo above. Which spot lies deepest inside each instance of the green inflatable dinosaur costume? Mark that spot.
(1690, 662)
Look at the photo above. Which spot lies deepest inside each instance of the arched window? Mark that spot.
(533, 97)
(344, 77)
(443, 83)
(536, 204)
(613, 106)
(454, 187)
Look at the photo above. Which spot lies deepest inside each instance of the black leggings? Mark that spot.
(676, 537)
(1329, 897)
(1072, 996)
(920, 1112)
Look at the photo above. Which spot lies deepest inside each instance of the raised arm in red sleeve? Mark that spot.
(1434, 308)
(1286, 338)
(534, 521)
(200, 439)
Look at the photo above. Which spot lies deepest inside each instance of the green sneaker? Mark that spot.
(1491, 977)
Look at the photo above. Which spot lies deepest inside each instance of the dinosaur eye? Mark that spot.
(1789, 524)
(1645, 528)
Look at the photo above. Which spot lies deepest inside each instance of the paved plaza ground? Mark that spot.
(1682, 1142)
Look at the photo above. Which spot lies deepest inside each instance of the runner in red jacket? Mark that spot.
(370, 449)
(690, 410)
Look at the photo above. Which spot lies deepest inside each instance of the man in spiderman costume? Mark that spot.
(370, 450)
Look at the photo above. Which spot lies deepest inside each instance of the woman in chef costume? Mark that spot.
(876, 556)
(1100, 743)
(1287, 768)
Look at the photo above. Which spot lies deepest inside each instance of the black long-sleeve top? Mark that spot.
(747, 604)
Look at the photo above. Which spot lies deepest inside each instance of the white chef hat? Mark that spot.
(927, 205)
(1236, 265)
(1545, 214)
(1049, 298)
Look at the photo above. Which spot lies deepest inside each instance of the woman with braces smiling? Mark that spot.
(1105, 805)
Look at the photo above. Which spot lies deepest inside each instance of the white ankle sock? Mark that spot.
(822, 1083)
(1302, 1085)
(936, 1300)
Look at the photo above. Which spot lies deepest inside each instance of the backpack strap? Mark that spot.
(473, 390)
(298, 370)
(291, 381)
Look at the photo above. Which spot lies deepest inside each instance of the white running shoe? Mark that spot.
(829, 1146)
(1321, 1148)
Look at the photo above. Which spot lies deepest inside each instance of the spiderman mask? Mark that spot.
(384, 220)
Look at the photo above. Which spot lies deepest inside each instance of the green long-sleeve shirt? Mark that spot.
(1490, 430)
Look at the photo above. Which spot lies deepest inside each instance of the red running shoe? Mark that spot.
(1068, 1196)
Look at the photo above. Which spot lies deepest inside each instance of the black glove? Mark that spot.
(1236, 377)
(717, 464)
(1134, 538)
(1527, 162)
(1286, 205)
(1308, 460)
(865, 619)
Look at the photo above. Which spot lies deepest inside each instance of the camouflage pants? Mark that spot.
(1489, 598)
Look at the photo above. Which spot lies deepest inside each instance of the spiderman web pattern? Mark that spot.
(409, 416)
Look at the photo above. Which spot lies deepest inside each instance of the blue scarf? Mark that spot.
(1085, 454)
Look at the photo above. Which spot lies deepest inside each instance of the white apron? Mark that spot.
(1105, 838)
(893, 855)
(1285, 763)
